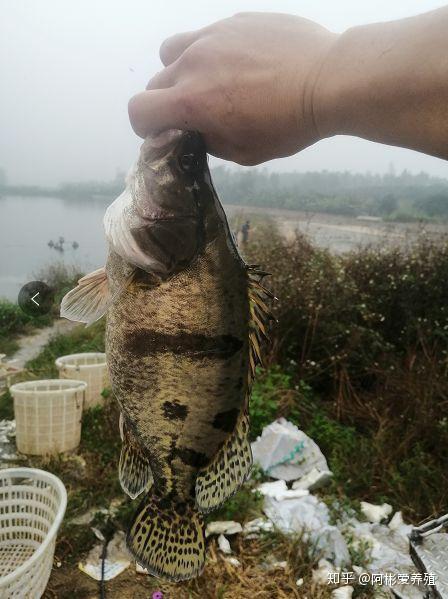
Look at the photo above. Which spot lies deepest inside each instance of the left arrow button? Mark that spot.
(36, 298)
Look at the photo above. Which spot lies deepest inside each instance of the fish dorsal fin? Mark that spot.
(260, 316)
(89, 300)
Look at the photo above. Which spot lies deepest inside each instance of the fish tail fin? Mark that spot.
(134, 470)
(167, 537)
(228, 471)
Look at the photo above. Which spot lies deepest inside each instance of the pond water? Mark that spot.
(27, 224)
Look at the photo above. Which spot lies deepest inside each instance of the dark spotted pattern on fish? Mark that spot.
(175, 410)
(226, 421)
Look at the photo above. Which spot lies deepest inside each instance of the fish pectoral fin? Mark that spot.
(228, 471)
(167, 538)
(89, 300)
(134, 470)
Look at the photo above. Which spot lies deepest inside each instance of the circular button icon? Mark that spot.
(36, 298)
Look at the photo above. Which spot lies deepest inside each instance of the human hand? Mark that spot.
(246, 83)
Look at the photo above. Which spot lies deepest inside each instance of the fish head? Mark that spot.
(157, 223)
(170, 164)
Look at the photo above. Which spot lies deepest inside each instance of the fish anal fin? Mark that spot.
(89, 300)
(134, 470)
(167, 538)
(228, 471)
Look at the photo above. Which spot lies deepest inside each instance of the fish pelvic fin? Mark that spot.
(134, 470)
(228, 471)
(167, 537)
(260, 317)
(89, 300)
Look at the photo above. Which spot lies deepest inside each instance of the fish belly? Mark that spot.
(178, 359)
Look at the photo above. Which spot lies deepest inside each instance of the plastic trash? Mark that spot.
(224, 527)
(253, 528)
(313, 480)
(224, 544)
(140, 569)
(287, 453)
(387, 552)
(279, 490)
(376, 513)
(7, 444)
(321, 574)
(397, 524)
(271, 564)
(310, 517)
(233, 561)
(117, 559)
(343, 592)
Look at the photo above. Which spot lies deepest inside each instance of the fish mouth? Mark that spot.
(172, 141)
(172, 242)
(167, 217)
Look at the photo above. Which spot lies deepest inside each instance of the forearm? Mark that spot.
(388, 82)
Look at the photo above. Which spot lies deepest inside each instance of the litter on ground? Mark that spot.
(117, 559)
(287, 453)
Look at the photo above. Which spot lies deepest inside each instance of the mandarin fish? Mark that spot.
(186, 319)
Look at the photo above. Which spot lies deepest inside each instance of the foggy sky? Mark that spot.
(68, 69)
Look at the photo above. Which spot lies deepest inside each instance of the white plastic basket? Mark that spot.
(90, 368)
(48, 415)
(32, 505)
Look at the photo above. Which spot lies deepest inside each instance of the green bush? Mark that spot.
(14, 321)
(367, 331)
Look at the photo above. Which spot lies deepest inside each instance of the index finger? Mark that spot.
(175, 46)
(155, 110)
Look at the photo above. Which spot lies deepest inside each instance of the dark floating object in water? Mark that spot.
(59, 245)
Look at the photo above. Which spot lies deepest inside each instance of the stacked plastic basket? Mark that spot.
(90, 368)
(32, 506)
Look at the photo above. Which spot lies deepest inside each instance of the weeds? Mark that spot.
(14, 322)
(245, 505)
(366, 333)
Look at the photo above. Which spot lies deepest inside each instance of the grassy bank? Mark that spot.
(14, 322)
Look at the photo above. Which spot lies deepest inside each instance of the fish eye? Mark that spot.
(189, 163)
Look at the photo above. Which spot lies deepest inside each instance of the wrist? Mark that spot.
(376, 84)
(337, 91)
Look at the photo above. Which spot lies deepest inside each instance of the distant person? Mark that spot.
(245, 232)
(260, 85)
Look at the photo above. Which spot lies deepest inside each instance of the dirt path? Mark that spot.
(30, 345)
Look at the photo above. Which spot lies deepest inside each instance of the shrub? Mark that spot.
(368, 332)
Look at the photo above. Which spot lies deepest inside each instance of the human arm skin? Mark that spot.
(260, 85)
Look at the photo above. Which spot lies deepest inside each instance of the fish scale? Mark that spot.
(206, 384)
